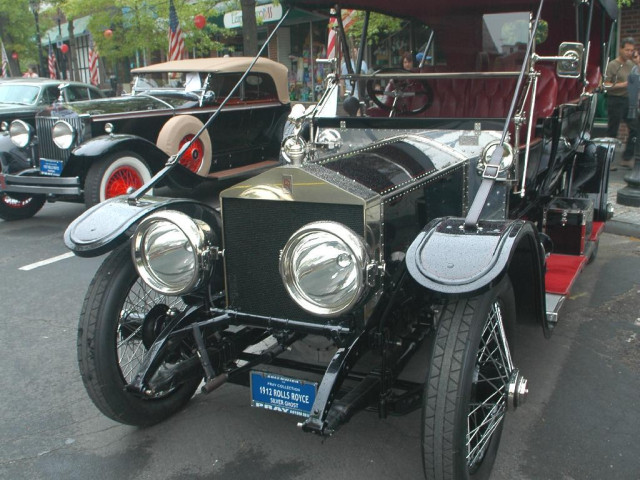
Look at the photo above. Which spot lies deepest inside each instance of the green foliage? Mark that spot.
(379, 26)
(18, 31)
(625, 3)
(143, 25)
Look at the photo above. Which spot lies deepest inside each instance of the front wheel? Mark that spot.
(120, 318)
(114, 175)
(20, 206)
(467, 387)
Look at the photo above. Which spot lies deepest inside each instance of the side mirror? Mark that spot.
(570, 59)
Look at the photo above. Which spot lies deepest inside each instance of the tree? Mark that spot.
(140, 26)
(18, 32)
(249, 28)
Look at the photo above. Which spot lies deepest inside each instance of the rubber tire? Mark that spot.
(176, 129)
(97, 355)
(99, 172)
(449, 385)
(9, 213)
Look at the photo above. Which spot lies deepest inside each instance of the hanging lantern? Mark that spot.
(14, 55)
(64, 48)
(108, 33)
(199, 21)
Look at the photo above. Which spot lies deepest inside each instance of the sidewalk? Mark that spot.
(626, 220)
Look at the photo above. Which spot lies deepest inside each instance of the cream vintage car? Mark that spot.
(98, 149)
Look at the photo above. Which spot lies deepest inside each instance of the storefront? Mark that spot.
(302, 39)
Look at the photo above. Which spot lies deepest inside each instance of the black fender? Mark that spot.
(13, 159)
(105, 226)
(451, 261)
(83, 155)
(105, 144)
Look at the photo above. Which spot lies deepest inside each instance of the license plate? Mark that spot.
(282, 394)
(51, 167)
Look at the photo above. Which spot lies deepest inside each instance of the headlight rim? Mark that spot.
(507, 160)
(28, 131)
(72, 134)
(200, 237)
(349, 238)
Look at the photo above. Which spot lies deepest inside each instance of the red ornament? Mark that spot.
(200, 21)
(14, 55)
(108, 33)
(64, 48)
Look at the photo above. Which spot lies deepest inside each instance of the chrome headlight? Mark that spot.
(507, 157)
(173, 253)
(323, 267)
(63, 134)
(21, 133)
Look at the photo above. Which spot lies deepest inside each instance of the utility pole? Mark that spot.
(35, 8)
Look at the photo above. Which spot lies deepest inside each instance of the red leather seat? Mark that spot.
(569, 89)
(483, 97)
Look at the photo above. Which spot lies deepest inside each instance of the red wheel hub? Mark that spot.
(192, 158)
(120, 180)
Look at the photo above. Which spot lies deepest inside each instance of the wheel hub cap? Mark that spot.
(517, 390)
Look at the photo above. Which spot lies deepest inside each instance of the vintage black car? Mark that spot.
(464, 202)
(22, 98)
(93, 150)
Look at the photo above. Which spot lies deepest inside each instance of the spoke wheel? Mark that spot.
(120, 317)
(114, 175)
(176, 132)
(192, 158)
(467, 386)
(20, 206)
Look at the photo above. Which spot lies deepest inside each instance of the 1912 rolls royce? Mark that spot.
(464, 201)
(97, 149)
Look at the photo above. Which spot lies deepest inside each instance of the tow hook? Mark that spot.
(517, 390)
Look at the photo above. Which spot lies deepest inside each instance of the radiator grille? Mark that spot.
(48, 149)
(254, 232)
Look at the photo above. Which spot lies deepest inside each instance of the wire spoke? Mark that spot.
(139, 301)
(488, 404)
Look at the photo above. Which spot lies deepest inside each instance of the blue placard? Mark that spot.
(282, 394)
(51, 167)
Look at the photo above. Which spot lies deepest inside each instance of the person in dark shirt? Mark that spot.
(615, 82)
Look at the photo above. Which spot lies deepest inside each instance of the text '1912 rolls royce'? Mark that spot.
(462, 202)
(97, 149)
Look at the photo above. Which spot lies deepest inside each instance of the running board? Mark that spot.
(562, 271)
(254, 168)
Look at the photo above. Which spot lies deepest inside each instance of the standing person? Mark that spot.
(615, 82)
(633, 90)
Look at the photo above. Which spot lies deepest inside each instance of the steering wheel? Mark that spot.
(404, 96)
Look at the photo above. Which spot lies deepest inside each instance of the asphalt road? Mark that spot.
(581, 420)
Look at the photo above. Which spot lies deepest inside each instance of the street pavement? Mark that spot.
(626, 219)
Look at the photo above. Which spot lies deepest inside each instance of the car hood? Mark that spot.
(6, 108)
(133, 103)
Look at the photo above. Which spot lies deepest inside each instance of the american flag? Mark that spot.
(348, 17)
(176, 39)
(51, 61)
(5, 62)
(94, 73)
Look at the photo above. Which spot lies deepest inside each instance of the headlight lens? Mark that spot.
(63, 134)
(173, 253)
(507, 157)
(323, 268)
(20, 133)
